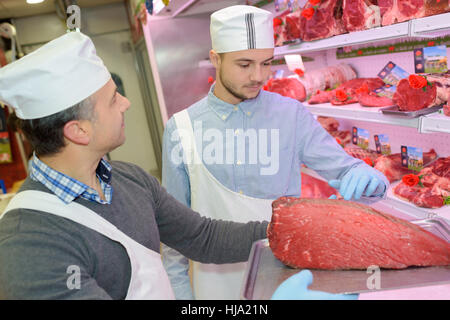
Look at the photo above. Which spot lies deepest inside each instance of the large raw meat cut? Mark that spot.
(393, 11)
(292, 27)
(324, 23)
(435, 186)
(371, 99)
(360, 15)
(337, 234)
(391, 165)
(288, 87)
(412, 99)
(350, 89)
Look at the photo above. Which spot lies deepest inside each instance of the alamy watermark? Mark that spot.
(233, 147)
(74, 20)
(74, 280)
(374, 281)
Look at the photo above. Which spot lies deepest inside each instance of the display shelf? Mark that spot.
(435, 122)
(412, 28)
(437, 23)
(392, 203)
(432, 123)
(357, 112)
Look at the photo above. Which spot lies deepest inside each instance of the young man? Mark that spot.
(248, 147)
(80, 227)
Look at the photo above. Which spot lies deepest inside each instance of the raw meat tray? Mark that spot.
(265, 272)
(410, 114)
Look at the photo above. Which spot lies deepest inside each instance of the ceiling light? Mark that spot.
(34, 1)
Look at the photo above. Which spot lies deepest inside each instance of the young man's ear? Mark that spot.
(77, 131)
(214, 58)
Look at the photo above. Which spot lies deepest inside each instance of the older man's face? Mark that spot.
(109, 125)
(243, 73)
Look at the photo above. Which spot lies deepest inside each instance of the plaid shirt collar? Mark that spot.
(67, 188)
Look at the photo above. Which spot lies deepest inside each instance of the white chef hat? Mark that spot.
(239, 28)
(56, 76)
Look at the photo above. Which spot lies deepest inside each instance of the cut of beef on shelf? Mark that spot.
(292, 26)
(435, 187)
(433, 7)
(331, 125)
(391, 165)
(447, 109)
(442, 81)
(321, 97)
(393, 11)
(360, 153)
(324, 23)
(279, 28)
(408, 98)
(348, 92)
(360, 15)
(288, 87)
(371, 99)
(337, 234)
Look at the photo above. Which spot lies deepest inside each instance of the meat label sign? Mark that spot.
(412, 158)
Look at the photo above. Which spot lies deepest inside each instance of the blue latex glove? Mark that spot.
(333, 196)
(358, 181)
(296, 288)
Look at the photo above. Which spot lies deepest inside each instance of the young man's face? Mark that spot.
(241, 74)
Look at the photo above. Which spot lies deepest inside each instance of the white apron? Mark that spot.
(149, 279)
(212, 199)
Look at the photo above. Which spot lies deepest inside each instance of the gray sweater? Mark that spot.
(37, 248)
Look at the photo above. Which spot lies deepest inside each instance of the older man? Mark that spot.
(80, 227)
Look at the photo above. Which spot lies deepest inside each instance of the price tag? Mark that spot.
(382, 144)
(412, 158)
(360, 137)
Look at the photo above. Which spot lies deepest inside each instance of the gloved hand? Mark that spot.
(296, 288)
(356, 181)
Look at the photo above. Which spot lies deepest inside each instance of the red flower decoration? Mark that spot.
(417, 82)
(359, 52)
(368, 161)
(411, 180)
(363, 89)
(430, 43)
(341, 95)
(299, 72)
(308, 13)
(210, 80)
(277, 22)
(314, 2)
(338, 141)
(391, 48)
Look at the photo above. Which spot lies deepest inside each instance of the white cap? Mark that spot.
(57, 76)
(239, 28)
